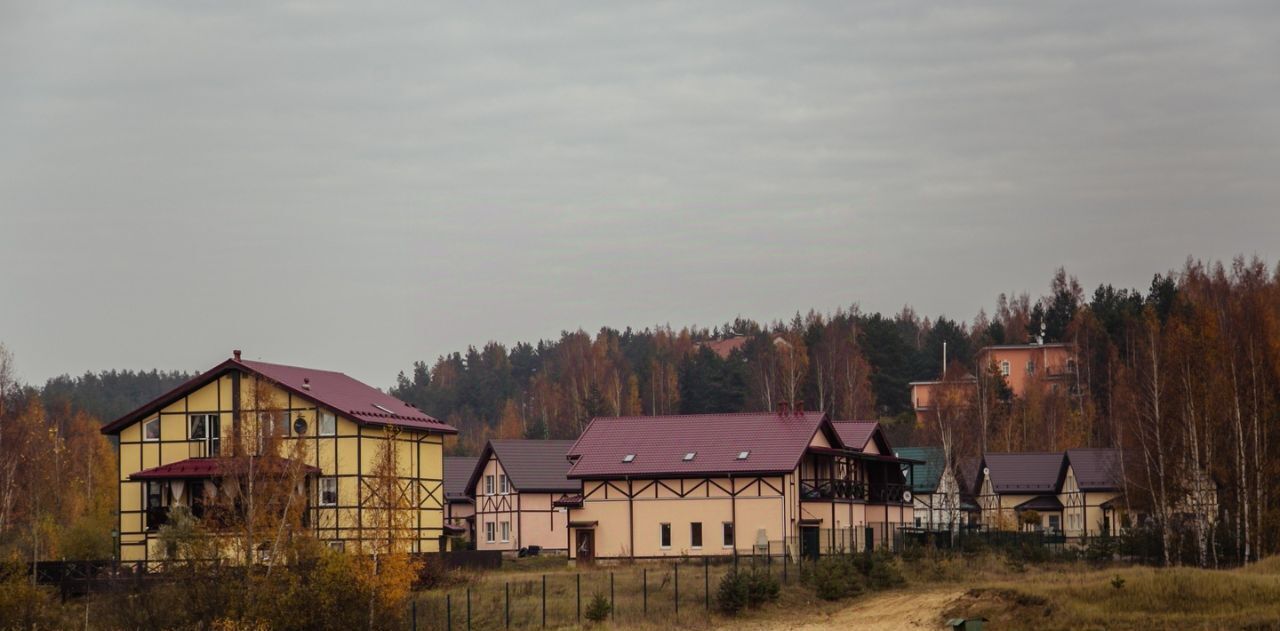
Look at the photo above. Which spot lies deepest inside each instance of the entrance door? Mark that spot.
(809, 541)
(586, 544)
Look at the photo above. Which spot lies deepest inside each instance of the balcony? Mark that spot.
(832, 489)
(888, 494)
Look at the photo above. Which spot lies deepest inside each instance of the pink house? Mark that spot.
(515, 484)
(723, 484)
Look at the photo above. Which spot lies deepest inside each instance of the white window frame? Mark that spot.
(696, 545)
(1031, 367)
(488, 484)
(332, 424)
(664, 529)
(324, 482)
(504, 530)
(336, 544)
(155, 420)
(1005, 368)
(490, 531)
(503, 487)
(204, 426)
(728, 535)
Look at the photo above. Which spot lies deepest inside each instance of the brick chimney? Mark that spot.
(799, 411)
(306, 384)
(236, 354)
(783, 408)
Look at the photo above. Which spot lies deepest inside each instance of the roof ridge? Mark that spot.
(674, 416)
(258, 361)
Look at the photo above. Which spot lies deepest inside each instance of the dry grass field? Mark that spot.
(1011, 596)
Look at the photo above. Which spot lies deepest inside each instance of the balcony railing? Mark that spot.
(888, 494)
(830, 489)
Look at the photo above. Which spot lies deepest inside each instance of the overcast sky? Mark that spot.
(354, 185)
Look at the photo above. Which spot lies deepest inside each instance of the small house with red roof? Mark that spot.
(720, 484)
(515, 485)
(330, 431)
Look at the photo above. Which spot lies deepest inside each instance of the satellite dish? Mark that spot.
(906, 496)
(986, 471)
(300, 426)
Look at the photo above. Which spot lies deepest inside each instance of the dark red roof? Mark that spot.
(1025, 473)
(1097, 469)
(856, 434)
(211, 468)
(530, 465)
(1040, 503)
(351, 398)
(775, 442)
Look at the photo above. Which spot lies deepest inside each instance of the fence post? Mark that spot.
(578, 582)
(448, 612)
(644, 588)
(613, 608)
(413, 611)
(507, 607)
(675, 567)
(706, 582)
(544, 600)
(468, 609)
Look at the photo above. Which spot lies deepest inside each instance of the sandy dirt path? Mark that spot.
(882, 612)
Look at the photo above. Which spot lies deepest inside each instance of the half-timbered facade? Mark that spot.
(177, 449)
(516, 484)
(720, 484)
(459, 508)
(935, 490)
(1073, 493)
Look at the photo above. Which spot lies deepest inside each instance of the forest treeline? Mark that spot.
(1183, 374)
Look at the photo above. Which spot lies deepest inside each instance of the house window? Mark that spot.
(727, 532)
(488, 484)
(506, 531)
(1055, 523)
(689, 456)
(155, 494)
(1071, 365)
(336, 545)
(695, 535)
(502, 484)
(664, 535)
(489, 529)
(328, 424)
(629, 458)
(742, 455)
(328, 491)
(1004, 368)
(151, 429)
(197, 427)
(1031, 367)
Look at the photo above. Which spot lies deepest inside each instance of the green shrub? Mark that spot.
(761, 588)
(836, 577)
(599, 608)
(732, 594)
(741, 589)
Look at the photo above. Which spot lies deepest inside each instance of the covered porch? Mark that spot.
(198, 485)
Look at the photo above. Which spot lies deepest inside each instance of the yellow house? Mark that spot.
(1074, 493)
(722, 484)
(176, 449)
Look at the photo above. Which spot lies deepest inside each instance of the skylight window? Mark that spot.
(689, 456)
(383, 409)
(628, 457)
(742, 455)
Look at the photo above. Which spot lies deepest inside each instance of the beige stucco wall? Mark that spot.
(531, 517)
